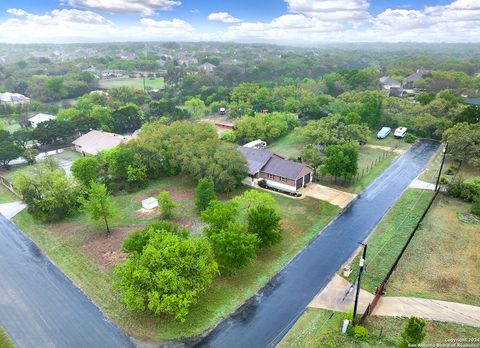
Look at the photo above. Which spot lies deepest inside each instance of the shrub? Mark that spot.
(360, 333)
(444, 180)
(265, 223)
(452, 169)
(475, 209)
(204, 194)
(229, 136)
(413, 332)
(262, 183)
(410, 138)
(467, 191)
(167, 205)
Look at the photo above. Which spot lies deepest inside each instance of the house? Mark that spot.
(13, 98)
(95, 141)
(278, 172)
(207, 67)
(393, 87)
(410, 80)
(39, 118)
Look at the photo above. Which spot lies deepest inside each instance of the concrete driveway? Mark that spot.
(9, 210)
(328, 194)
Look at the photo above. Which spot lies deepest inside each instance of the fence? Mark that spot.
(5, 182)
(381, 289)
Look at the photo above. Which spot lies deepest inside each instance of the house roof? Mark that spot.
(12, 97)
(414, 77)
(38, 118)
(96, 141)
(256, 158)
(261, 160)
(387, 80)
(282, 167)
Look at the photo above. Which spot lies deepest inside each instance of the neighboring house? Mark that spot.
(13, 98)
(95, 141)
(410, 80)
(275, 170)
(207, 67)
(393, 87)
(39, 118)
(111, 74)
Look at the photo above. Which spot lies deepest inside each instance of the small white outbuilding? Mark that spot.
(150, 203)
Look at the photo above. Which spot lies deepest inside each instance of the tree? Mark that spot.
(413, 332)
(204, 194)
(311, 154)
(48, 194)
(167, 205)
(127, 118)
(98, 205)
(174, 268)
(233, 247)
(195, 107)
(464, 142)
(219, 215)
(340, 160)
(265, 223)
(8, 152)
(85, 170)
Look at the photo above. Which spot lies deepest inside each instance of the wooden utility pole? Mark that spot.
(437, 185)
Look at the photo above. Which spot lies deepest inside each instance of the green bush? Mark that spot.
(360, 333)
(444, 180)
(475, 209)
(410, 138)
(452, 169)
(262, 183)
(467, 191)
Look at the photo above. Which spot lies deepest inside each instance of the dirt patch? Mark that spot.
(106, 249)
(195, 226)
(141, 213)
(178, 193)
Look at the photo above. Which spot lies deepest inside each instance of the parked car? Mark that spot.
(384, 132)
(400, 132)
(222, 111)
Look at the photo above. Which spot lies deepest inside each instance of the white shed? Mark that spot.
(39, 118)
(150, 203)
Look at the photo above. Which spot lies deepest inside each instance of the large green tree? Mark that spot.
(340, 161)
(265, 223)
(174, 270)
(464, 142)
(86, 170)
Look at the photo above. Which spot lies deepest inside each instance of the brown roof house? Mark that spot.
(278, 172)
(95, 141)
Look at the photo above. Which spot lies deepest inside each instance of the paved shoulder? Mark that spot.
(40, 306)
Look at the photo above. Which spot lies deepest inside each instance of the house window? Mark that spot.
(271, 176)
(282, 179)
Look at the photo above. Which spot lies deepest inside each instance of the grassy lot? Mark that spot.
(315, 329)
(386, 242)
(5, 341)
(289, 146)
(87, 256)
(371, 163)
(442, 262)
(6, 196)
(137, 83)
(389, 141)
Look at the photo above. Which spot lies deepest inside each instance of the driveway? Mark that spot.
(268, 317)
(40, 306)
(9, 210)
(328, 194)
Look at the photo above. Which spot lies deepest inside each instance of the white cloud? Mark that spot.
(224, 17)
(144, 7)
(175, 24)
(331, 10)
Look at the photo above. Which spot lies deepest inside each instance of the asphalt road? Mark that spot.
(275, 310)
(40, 307)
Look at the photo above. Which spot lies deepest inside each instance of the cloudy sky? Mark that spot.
(276, 21)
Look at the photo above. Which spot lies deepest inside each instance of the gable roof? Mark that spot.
(95, 141)
(38, 118)
(285, 168)
(387, 80)
(256, 158)
(414, 77)
(261, 160)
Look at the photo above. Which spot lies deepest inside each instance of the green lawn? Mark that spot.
(6, 196)
(289, 146)
(66, 155)
(386, 242)
(5, 340)
(137, 83)
(442, 262)
(315, 328)
(84, 253)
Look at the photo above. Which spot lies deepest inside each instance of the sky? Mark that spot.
(303, 22)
